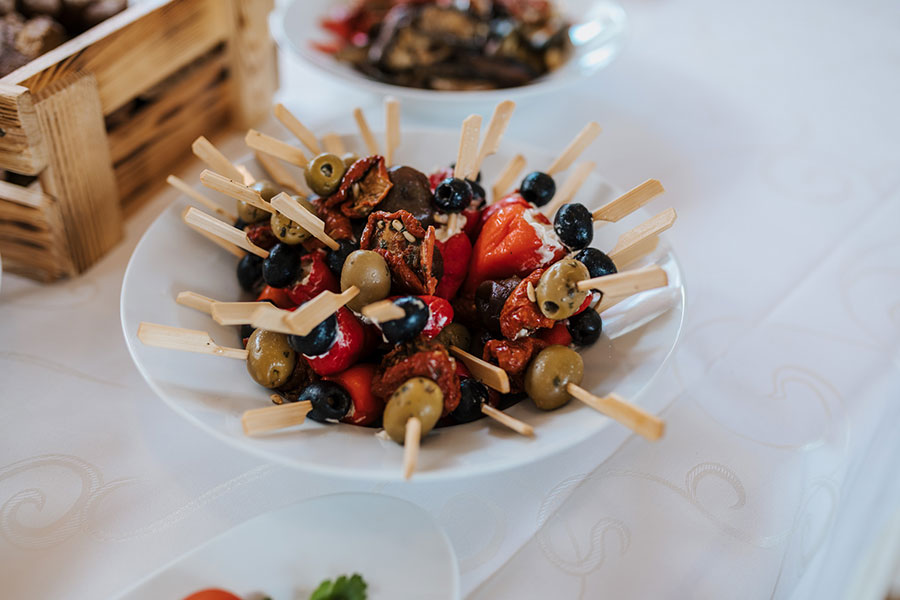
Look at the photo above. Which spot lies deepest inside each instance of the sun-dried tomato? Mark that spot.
(520, 316)
(513, 356)
(300, 378)
(261, 234)
(337, 225)
(406, 246)
(364, 185)
(419, 358)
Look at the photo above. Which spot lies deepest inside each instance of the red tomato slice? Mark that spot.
(212, 594)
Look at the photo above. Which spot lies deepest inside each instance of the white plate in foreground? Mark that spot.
(597, 36)
(213, 392)
(396, 546)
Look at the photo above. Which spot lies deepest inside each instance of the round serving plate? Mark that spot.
(213, 392)
(597, 35)
(397, 547)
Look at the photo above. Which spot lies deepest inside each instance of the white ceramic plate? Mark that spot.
(213, 392)
(396, 546)
(597, 35)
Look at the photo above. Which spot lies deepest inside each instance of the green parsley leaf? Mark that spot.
(342, 588)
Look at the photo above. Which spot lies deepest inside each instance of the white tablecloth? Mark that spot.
(774, 128)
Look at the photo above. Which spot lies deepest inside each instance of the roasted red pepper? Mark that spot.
(261, 234)
(364, 185)
(406, 246)
(278, 296)
(513, 356)
(315, 278)
(520, 316)
(557, 335)
(357, 380)
(516, 239)
(347, 348)
(419, 358)
(456, 253)
(337, 225)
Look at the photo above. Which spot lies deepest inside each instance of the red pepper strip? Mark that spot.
(420, 358)
(510, 245)
(513, 357)
(364, 185)
(456, 253)
(588, 301)
(261, 234)
(316, 278)
(347, 348)
(357, 380)
(557, 335)
(337, 225)
(520, 316)
(473, 222)
(410, 263)
(278, 296)
(438, 176)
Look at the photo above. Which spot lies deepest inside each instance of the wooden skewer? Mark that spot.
(411, 446)
(247, 177)
(275, 147)
(304, 319)
(199, 198)
(333, 144)
(507, 176)
(629, 202)
(365, 132)
(613, 406)
(383, 310)
(584, 139)
(513, 423)
(214, 159)
(270, 418)
(195, 301)
(626, 283)
(236, 190)
(495, 130)
(300, 131)
(189, 340)
(294, 211)
(569, 187)
(488, 374)
(650, 227)
(392, 128)
(636, 251)
(235, 313)
(468, 147)
(223, 230)
(228, 246)
(276, 170)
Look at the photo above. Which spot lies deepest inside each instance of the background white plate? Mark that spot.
(598, 35)
(396, 546)
(213, 392)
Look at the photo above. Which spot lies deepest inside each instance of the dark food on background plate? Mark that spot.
(450, 45)
(342, 588)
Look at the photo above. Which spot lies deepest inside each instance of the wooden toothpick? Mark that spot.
(280, 174)
(468, 147)
(298, 213)
(629, 202)
(227, 246)
(214, 159)
(629, 415)
(365, 132)
(490, 375)
(383, 310)
(495, 130)
(392, 129)
(413, 436)
(651, 227)
(513, 423)
(220, 229)
(195, 301)
(188, 340)
(266, 143)
(333, 144)
(625, 283)
(234, 189)
(569, 187)
(307, 317)
(199, 198)
(507, 177)
(271, 418)
(578, 145)
(300, 131)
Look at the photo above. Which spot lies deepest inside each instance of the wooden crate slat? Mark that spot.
(21, 147)
(254, 64)
(79, 172)
(126, 59)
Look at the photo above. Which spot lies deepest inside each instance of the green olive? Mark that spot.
(417, 397)
(369, 272)
(250, 214)
(455, 334)
(270, 358)
(288, 231)
(266, 189)
(557, 291)
(549, 373)
(349, 158)
(324, 173)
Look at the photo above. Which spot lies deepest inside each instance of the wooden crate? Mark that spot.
(100, 120)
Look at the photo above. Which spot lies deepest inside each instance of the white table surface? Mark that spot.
(774, 127)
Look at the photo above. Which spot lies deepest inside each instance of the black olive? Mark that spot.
(574, 225)
(453, 195)
(318, 341)
(335, 258)
(240, 223)
(330, 401)
(598, 264)
(477, 177)
(585, 327)
(490, 296)
(282, 267)
(478, 193)
(249, 272)
(246, 332)
(472, 395)
(409, 326)
(411, 192)
(538, 188)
